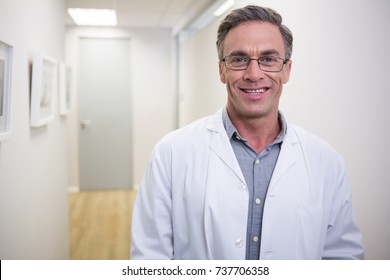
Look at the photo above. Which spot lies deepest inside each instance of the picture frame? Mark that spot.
(43, 90)
(64, 87)
(6, 52)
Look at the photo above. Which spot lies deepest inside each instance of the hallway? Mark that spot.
(99, 224)
(335, 91)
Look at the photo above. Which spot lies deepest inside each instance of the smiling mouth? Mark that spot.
(255, 91)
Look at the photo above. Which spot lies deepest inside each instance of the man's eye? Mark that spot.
(239, 59)
(268, 59)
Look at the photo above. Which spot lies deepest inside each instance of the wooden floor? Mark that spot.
(99, 224)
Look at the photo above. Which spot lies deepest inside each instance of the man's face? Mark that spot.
(253, 93)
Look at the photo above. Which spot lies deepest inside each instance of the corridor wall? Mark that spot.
(33, 161)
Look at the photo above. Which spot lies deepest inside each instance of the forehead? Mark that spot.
(254, 38)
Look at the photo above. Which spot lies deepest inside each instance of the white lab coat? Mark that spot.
(193, 200)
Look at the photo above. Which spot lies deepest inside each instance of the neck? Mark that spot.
(260, 132)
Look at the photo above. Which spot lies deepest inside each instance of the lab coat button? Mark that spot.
(239, 242)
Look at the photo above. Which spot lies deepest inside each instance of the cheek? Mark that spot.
(279, 79)
(229, 77)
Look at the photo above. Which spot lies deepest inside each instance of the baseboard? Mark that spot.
(73, 189)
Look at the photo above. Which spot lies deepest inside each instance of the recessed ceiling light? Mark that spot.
(93, 17)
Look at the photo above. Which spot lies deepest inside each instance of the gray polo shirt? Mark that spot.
(257, 170)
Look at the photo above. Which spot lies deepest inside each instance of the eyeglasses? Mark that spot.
(266, 63)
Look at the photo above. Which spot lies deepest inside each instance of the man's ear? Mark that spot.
(286, 71)
(221, 73)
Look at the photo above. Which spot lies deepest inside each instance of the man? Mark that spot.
(244, 183)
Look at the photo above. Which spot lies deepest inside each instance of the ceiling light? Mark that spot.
(223, 8)
(94, 17)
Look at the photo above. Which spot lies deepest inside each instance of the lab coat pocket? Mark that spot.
(308, 232)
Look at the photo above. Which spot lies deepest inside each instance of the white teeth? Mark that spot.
(255, 91)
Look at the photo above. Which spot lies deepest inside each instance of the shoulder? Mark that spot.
(325, 166)
(314, 146)
(188, 132)
(307, 138)
(189, 137)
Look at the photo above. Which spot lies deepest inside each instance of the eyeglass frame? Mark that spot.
(258, 62)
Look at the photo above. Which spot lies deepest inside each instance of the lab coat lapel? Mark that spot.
(226, 195)
(220, 145)
(287, 157)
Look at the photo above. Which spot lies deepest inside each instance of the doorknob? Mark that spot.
(85, 123)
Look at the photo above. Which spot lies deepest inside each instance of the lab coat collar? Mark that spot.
(220, 144)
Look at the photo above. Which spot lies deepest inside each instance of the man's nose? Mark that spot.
(253, 72)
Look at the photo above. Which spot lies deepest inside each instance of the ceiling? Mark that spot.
(146, 13)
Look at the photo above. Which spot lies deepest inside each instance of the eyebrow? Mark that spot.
(270, 52)
(266, 52)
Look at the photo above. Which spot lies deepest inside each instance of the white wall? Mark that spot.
(338, 90)
(200, 92)
(33, 162)
(153, 90)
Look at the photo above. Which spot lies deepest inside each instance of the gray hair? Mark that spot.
(253, 13)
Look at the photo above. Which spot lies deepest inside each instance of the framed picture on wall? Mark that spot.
(5, 89)
(43, 90)
(65, 97)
